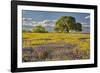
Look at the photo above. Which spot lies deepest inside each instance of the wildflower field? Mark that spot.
(55, 46)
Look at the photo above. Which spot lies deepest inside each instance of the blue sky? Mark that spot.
(39, 16)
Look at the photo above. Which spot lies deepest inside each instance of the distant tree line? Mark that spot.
(63, 24)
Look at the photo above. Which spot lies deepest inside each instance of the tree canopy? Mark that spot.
(78, 26)
(66, 23)
(39, 29)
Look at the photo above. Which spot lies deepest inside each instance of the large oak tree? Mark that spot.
(66, 23)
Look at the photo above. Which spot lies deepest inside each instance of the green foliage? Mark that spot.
(78, 26)
(39, 29)
(65, 23)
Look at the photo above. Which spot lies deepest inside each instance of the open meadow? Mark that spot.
(55, 46)
(55, 36)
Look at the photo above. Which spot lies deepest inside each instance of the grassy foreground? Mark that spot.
(55, 46)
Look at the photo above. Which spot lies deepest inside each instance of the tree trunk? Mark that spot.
(67, 31)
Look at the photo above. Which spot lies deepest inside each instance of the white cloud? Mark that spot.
(49, 23)
(27, 19)
(87, 17)
(45, 23)
(85, 25)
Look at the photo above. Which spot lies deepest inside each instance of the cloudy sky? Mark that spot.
(45, 18)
